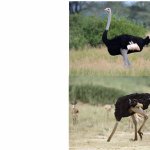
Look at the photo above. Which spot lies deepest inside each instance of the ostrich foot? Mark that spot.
(140, 134)
(108, 140)
(128, 65)
(135, 139)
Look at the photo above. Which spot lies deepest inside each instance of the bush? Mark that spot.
(94, 94)
(88, 30)
(76, 34)
(125, 26)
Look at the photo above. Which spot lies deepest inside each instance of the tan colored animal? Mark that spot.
(108, 109)
(75, 113)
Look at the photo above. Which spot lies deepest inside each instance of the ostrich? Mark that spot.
(129, 105)
(108, 109)
(123, 44)
(74, 112)
(138, 118)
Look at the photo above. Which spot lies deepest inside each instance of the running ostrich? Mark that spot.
(129, 105)
(123, 44)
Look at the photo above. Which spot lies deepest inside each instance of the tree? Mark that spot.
(74, 7)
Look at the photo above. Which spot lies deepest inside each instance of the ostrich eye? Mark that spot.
(129, 101)
(132, 102)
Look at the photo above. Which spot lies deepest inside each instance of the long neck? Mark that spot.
(108, 21)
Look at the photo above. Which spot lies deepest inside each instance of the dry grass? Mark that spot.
(96, 61)
(93, 129)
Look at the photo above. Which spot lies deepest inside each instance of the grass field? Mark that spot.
(96, 78)
(94, 89)
(93, 128)
(97, 61)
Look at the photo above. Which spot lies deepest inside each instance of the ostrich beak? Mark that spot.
(139, 105)
(108, 10)
(105, 9)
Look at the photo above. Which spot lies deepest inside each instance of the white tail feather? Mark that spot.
(133, 46)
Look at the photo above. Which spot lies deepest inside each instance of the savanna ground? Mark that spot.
(94, 68)
(94, 127)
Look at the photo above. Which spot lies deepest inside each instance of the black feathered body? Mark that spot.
(122, 105)
(120, 42)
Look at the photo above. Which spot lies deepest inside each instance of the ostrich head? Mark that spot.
(73, 104)
(134, 103)
(108, 10)
(147, 40)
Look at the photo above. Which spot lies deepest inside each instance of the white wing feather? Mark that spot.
(133, 46)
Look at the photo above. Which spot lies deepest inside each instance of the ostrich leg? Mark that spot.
(141, 112)
(115, 127)
(125, 57)
(135, 125)
(145, 118)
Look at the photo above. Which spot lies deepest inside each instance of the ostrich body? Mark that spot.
(129, 105)
(123, 44)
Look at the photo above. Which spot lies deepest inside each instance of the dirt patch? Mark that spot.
(93, 128)
(121, 141)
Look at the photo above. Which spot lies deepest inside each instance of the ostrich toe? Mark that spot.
(140, 134)
(135, 139)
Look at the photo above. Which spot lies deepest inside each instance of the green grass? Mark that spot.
(102, 90)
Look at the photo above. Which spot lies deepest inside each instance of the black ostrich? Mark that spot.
(123, 44)
(129, 105)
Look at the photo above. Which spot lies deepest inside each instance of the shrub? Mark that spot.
(88, 30)
(94, 94)
(76, 35)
